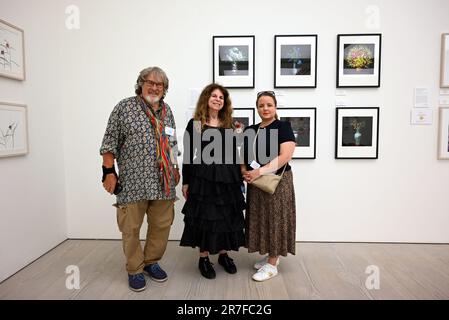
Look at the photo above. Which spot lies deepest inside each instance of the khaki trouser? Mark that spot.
(160, 215)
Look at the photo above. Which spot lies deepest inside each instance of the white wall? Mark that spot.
(398, 197)
(32, 211)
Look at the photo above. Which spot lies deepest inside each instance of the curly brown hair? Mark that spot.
(202, 106)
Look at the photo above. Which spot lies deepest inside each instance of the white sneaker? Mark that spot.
(267, 271)
(259, 264)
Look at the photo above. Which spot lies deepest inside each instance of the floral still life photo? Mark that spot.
(233, 61)
(357, 131)
(303, 123)
(359, 59)
(301, 129)
(295, 59)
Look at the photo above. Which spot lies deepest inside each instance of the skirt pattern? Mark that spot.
(271, 219)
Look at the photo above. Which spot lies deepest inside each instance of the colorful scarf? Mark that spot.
(163, 147)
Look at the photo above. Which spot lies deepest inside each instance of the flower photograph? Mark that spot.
(295, 59)
(303, 123)
(301, 129)
(233, 60)
(357, 132)
(240, 123)
(359, 59)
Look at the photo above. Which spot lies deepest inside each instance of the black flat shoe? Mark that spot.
(206, 268)
(227, 263)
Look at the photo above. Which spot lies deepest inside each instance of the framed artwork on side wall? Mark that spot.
(357, 133)
(358, 60)
(233, 61)
(444, 72)
(295, 61)
(12, 51)
(13, 129)
(443, 134)
(303, 122)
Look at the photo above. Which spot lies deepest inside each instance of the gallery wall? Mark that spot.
(32, 187)
(399, 197)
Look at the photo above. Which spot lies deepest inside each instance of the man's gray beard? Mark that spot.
(151, 100)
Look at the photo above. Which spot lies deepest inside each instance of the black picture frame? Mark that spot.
(303, 122)
(356, 143)
(233, 62)
(359, 60)
(295, 61)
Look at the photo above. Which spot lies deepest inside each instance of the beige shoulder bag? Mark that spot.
(267, 183)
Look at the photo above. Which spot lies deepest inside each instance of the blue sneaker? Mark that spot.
(137, 282)
(155, 272)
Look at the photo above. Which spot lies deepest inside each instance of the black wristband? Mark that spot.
(107, 171)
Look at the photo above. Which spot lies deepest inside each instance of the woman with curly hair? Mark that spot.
(213, 211)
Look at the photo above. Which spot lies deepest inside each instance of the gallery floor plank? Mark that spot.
(317, 271)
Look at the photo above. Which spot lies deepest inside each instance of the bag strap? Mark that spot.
(254, 151)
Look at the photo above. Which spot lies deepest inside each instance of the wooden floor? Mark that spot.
(317, 271)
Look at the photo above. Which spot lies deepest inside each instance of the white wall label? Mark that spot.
(422, 97)
(421, 116)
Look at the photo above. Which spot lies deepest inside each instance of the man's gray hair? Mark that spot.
(157, 72)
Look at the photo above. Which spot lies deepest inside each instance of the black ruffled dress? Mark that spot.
(213, 211)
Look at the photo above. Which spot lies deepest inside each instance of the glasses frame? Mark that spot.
(151, 83)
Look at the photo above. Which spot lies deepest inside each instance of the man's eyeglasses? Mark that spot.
(271, 93)
(159, 85)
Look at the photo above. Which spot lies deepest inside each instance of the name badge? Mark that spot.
(254, 165)
(169, 131)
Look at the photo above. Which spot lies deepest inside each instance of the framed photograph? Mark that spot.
(13, 129)
(358, 60)
(233, 61)
(444, 72)
(357, 133)
(12, 51)
(303, 121)
(443, 134)
(246, 116)
(295, 61)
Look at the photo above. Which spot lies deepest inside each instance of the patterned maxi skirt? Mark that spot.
(271, 219)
